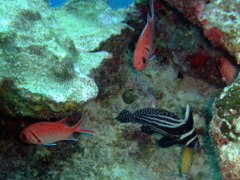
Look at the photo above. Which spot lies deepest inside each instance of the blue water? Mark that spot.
(55, 3)
(115, 4)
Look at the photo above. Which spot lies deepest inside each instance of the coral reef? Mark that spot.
(219, 21)
(220, 24)
(225, 129)
(184, 71)
(45, 63)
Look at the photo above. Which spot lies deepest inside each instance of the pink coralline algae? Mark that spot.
(192, 9)
(195, 11)
(215, 36)
(218, 20)
(200, 58)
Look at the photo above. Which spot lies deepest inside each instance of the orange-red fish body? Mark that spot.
(144, 47)
(227, 70)
(48, 133)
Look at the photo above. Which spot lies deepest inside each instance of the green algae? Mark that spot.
(160, 43)
(229, 101)
(228, 105)
(226, 131)
(128, 96)
(185, 38)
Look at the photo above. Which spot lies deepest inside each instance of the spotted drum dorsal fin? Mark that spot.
(188, 116)
(189, 137)
(159, 117)
(187, 112)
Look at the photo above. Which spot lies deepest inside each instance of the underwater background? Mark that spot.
(114, 4)
(70, 69)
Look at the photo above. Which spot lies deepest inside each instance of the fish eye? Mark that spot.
(144, 60)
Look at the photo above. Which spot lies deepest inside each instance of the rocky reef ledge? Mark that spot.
(225, 130)
(46, 55)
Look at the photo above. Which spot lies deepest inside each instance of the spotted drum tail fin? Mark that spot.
(77, 127)
(125, 116)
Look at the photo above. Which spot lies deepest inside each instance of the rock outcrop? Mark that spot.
(45, 58)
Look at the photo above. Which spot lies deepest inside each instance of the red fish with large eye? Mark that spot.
(227, 70)
(144, 47)
(47, 133)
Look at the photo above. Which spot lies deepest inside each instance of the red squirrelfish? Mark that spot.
(227, 70)
(48, 133)
(144, 47)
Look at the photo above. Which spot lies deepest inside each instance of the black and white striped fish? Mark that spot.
(174, 129)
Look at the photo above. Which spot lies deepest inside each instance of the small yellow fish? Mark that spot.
(187, 157)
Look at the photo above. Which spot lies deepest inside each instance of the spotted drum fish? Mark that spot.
(47, 133)
(174, 129)
(144, 47)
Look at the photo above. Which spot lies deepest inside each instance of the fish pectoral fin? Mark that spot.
(146, 130)
(167, 142)
(151, 57)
